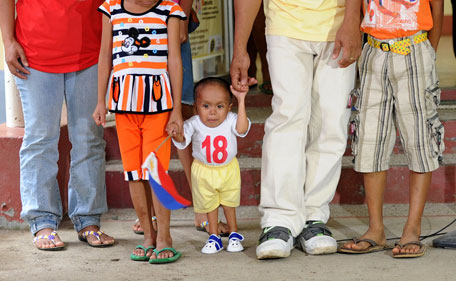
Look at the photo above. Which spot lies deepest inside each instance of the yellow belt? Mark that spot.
(398, 47)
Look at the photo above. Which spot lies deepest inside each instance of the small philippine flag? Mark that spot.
(163, 185)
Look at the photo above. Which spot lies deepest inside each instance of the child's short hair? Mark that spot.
(212, 80)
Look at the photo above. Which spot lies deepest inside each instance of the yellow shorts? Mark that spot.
(213, 186)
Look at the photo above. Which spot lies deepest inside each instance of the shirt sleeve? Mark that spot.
(105, 8)
(232, 118)
(176, 11)
(188, 132)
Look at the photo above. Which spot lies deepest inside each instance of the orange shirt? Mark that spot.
(386, 19)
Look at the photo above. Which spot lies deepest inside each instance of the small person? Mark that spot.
(399, 87)
(215, 174)
(141, 45)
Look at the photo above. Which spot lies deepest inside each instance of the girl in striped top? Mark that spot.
(140, 57)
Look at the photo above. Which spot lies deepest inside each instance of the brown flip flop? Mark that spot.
(374, 247)
(418, 254)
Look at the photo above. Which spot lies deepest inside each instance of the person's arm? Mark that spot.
(104, 71)
(348, 37)
(242, 123)
(175, 74)
(245, 12)
(186, 6)
(437, 18)
(14, 53)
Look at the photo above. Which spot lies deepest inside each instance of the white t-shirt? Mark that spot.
(212, 146)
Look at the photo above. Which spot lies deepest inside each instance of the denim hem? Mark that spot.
(81, 222)
(42, 222)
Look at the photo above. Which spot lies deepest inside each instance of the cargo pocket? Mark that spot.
(434, 126)
(355, 99)
(354, 134)
(436, 134)
(432, 99)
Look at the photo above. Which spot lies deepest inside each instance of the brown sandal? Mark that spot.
(418, 254)
(374, 247)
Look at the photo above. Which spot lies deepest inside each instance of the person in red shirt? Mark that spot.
(52, 48)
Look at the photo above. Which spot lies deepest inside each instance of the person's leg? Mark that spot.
(212, 217)
(153, 134)
(42, 98)
(141, 196)
(419, 186)
(421, 132)
(86, 187)
(164, 239)
(374, 184)
(137, 229)
(373, 140)
(327, 131)
(230, 214)
(326, 143)
(282, 195)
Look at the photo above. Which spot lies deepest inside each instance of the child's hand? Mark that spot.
(175, 123)
(172, 129)
(99, 115)
(240, 95)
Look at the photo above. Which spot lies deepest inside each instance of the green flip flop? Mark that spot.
(174, 258)
(143, 257)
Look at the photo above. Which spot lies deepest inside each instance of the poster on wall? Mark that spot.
(207, 39)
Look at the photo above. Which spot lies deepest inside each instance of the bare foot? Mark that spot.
(202, 217)
(93, 240)
(140, 252)
(377, 236)
(167, 243)
(407, 237)
(47, 243)
(138, 229)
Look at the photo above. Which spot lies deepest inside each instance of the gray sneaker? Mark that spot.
(316, 239)
(275, 242)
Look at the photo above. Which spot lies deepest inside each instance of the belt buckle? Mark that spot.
(385, 46)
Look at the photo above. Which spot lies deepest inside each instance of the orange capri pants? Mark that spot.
(139, 135)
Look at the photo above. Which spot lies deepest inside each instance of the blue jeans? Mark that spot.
(187, 81)
(42, 95)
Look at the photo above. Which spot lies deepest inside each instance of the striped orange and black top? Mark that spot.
(140, 81)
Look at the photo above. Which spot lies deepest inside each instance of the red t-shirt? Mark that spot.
(59, 36)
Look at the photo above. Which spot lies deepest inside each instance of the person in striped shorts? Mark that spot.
(399, 88)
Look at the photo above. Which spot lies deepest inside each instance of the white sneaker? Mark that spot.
(316, 239)
(234, 242)
(213, 245)
(275, 242)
